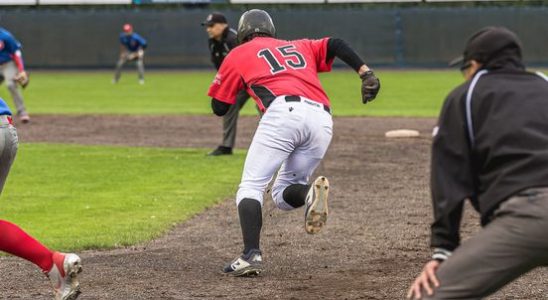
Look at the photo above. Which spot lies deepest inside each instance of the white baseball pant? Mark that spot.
(293, 135)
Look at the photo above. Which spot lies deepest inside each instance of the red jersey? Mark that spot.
(267, 68)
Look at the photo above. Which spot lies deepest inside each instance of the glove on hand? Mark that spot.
(22, 78)
(370, 86)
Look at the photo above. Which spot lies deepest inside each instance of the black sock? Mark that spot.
(251, 221)
(295, 194)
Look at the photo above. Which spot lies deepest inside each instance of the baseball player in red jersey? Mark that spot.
(295, 130)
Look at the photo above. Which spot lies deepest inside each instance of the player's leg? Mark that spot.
(511, 245)
(141, 69)
(119, 65)
(269, 149)
(59, 267)
(292, 188)
(10, 71)
(13, 240)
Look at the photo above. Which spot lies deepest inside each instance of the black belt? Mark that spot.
(299, 99)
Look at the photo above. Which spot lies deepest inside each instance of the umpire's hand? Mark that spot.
(370, 86)
(425, 281)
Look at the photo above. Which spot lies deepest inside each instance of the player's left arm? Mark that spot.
(227, 83)
(219, 107)
(142, 45)
(370, 83)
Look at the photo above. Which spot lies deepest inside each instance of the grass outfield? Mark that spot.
(403, 93)
(81, 197)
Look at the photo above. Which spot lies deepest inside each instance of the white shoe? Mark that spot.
(63, 275)
(141, 81)
(248, 264)
(316, 211)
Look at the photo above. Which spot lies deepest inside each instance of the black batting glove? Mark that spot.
(370, 86)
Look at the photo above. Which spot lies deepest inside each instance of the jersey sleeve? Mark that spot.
(227, 82)
(141, 40)
(319, 51)
(11, 44)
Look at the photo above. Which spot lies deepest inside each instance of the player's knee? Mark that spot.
(288, 197)
(244, 193)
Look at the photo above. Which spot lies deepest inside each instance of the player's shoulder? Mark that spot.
(4, 34)
(232, 33)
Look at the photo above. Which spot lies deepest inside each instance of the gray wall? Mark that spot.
(400, 37)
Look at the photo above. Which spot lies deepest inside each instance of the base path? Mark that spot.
(375, 241)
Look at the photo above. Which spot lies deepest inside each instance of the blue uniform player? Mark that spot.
(12, 70)
(61, 268)
(132, 49)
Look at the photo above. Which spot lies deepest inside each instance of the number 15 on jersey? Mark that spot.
(291, 58)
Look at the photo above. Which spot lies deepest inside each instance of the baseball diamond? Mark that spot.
(372, 248)
(119, 189)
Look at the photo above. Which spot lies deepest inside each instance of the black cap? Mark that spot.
(485, 44)
(214, 18)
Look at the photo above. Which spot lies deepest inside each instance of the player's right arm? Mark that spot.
(226, 85)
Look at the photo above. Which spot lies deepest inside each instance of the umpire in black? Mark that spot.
(222, 39)
(491, 147)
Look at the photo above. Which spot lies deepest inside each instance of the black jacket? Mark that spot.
(497, 150)
(219, 49)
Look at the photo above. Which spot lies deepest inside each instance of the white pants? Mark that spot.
(293, 135)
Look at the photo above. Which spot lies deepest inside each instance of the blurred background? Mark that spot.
(83, 34)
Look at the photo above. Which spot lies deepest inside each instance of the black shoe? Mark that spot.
(248, 264)
(221, 150)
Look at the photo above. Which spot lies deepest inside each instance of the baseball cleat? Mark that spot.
(221, 150)
(64, 275)
(316, 205)
(24, 119)
(246, 265)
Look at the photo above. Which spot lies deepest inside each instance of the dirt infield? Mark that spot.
(375, 242)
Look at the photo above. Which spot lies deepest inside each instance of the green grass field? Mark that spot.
(403, 93)
(81, 197)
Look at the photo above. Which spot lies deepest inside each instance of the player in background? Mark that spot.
(490, 147)
(62, 269)
(132, 48)
(295, 130)
(13, 71)
(222, 39)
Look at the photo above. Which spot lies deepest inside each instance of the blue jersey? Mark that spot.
(8, 46)
(133, 41)
(4, 109)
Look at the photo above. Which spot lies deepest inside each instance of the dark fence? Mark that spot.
(88, 38)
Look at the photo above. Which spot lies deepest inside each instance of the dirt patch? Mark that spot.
(375, 242)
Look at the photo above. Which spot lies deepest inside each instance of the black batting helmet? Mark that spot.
(255, 21)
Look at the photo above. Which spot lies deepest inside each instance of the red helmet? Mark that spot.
(128, 28)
